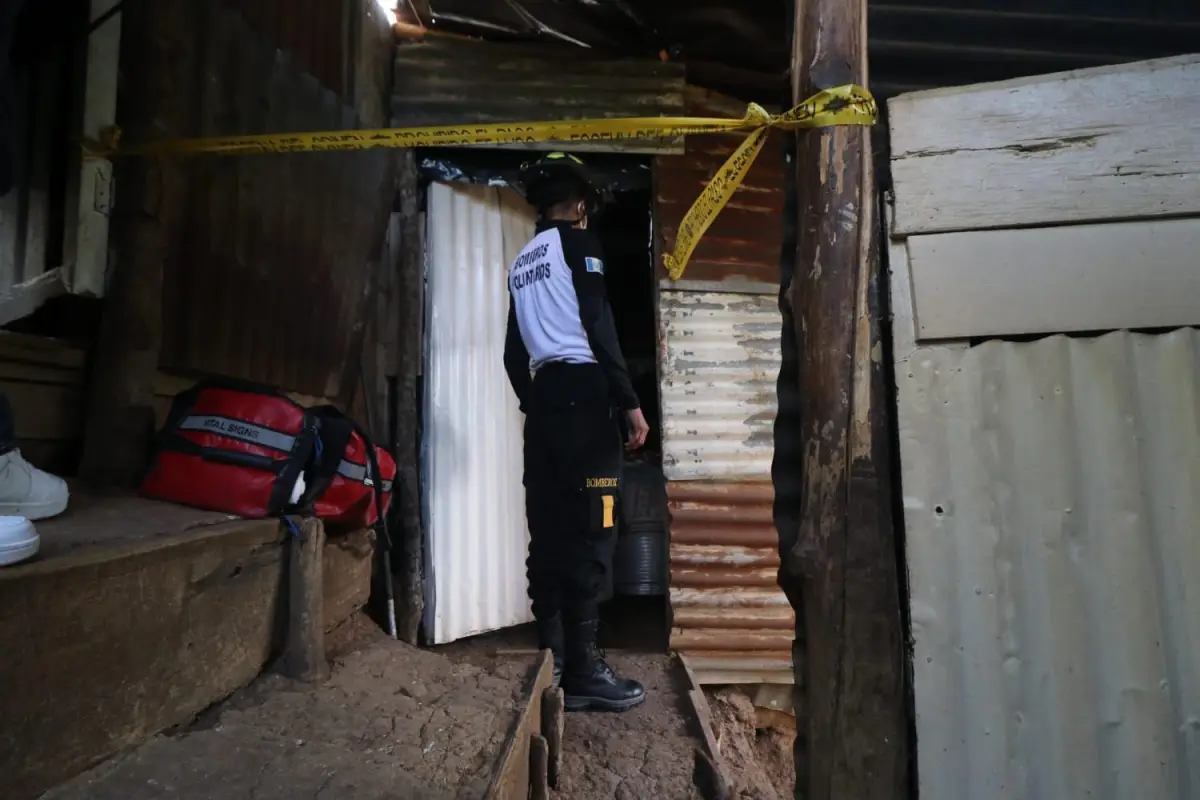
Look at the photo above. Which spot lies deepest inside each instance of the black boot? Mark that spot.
(550, 637)
(589, 682)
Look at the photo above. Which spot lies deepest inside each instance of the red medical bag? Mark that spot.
(242, 448)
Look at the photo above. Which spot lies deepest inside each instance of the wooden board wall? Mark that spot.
(1054, 204)
(1120, 275)
(1112, 143)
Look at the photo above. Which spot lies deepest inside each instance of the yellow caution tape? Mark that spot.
(842, 105)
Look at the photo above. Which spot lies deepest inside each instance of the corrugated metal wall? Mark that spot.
(472, 446)
(1052, 499)
(267, 278)
(1051, 493)
(745, 239)
(449, 81)
(719, 358)
(730, 619)
(315, 32)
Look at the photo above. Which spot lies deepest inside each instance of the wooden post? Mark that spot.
(410, 305)
(304, 650)
(539, 761)
(840, 571)
(554, 721)
(158, 46)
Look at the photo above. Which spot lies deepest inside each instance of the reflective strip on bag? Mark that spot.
(242, 431)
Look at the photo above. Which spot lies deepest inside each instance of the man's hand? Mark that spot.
(638, 429)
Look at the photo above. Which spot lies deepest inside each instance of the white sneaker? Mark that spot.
(18, 540)
(26, 491)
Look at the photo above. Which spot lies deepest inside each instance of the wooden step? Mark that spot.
(137, 616)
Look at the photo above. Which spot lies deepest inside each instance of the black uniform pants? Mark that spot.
(572, 481)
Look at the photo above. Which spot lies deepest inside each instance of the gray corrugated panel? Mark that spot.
(730, 617)
(455, 82)
(721, 354)
(474, 499)
(1052, 498)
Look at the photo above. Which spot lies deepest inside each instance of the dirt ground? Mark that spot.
(393, 722)
(645, 753)
(758, 759)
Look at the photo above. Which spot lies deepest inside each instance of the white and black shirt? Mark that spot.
(559, 312)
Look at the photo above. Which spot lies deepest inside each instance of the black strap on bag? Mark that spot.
(335, 430)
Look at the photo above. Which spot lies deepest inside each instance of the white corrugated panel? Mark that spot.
(471, 453)
(1052, 505)
(721, 357)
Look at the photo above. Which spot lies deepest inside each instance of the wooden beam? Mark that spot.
(409, 305)
(511, 778)
(539, 765)
(839, 564)
(160, 39)
(554, 721)
(304, 649)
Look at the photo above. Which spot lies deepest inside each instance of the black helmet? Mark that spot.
(557, 177)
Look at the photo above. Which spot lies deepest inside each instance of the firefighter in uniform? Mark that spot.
(565, 364)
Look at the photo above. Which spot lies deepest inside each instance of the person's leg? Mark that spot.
(543, 516)
(592, 451)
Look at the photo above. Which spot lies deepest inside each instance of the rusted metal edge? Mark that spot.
(725, 668)
(709, 773)
(510, 778)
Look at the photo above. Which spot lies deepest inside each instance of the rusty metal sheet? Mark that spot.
(315, 32)
(729, 616)
(455, 82)
(720, 358)
(745, 241)
(267, 279)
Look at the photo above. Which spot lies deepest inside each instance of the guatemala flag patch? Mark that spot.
(594, 265)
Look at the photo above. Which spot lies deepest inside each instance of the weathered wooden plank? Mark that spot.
(709, 772)
(1098, 144)
(904, 321)
(701, 710)
(511, 775)
(1056, 280)
(105, 648)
